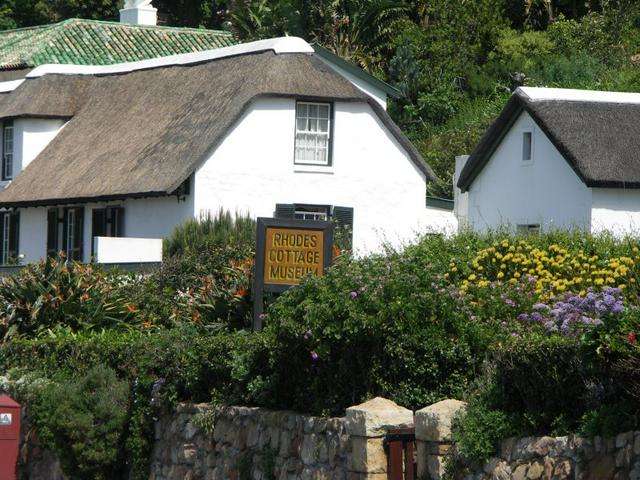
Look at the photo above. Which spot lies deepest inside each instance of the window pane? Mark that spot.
(526, 146)
(312, 145)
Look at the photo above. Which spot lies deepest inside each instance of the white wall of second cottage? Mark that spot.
(143, 218)
(616, 210)
(252, 170)
(545, 191)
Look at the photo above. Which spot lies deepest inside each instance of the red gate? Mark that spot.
(400, 445)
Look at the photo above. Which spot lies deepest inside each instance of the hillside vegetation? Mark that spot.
(455, 62)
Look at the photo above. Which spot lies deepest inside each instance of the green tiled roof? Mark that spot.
(92, 42)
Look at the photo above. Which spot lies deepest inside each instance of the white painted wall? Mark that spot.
(143, 218)
(545, 191)
(127, 250)
(34, 135)
(253, 170)
(30, 137)
(616, 210)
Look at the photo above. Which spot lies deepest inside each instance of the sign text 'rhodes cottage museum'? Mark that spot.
(286, 252)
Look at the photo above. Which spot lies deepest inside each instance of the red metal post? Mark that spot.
(9, 437)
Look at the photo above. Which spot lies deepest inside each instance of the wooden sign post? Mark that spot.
(286, 252)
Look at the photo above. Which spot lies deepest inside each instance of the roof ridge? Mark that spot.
(548, 94)
(114, 23)
(280, 45)
(32, 27)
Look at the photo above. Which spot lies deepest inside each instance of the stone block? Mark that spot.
(368, 455)
(542, 445)
(623, 439)
(375, 417)
(520, 472)
(435, 466)
(624, 455)
(535, 472)
(433, 423)
(366, 476)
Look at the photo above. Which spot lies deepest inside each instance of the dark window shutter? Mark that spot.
(99, 222)
(52, 232)
(343, 220)
(14, 236)
(285, 210)
(98, 225)
(343, 216)
(78, 234)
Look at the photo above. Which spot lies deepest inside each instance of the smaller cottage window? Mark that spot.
(527, 139)
(7, 150)
(313, 131)
(528, 229)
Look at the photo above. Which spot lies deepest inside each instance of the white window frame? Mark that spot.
(326, 161)
(311, 212)
(70, 233)
(7, 150)
(531, 133)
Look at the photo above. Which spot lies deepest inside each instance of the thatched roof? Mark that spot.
(144, 133)
(597, 133)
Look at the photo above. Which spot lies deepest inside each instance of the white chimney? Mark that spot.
(139, 12)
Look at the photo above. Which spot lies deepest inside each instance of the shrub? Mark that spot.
(163, 367)
(199, 234)
(383, 325)
(83, 421)
(478, 432)
(56, 294)
(552, 270)
(209, 287)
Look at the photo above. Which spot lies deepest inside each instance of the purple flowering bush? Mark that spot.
(572, 314)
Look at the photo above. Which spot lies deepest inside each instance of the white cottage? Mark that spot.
(556, 158)
(129, 151)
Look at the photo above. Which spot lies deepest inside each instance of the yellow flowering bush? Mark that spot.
(551, 270)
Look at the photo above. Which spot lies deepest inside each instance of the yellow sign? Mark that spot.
(291, 254)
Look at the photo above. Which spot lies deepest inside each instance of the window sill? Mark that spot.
(313, 169)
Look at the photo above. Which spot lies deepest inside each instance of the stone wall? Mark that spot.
(532, 458)
(529, 458)
(200, 442)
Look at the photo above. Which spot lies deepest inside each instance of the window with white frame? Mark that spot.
(527, 146)
(9, 230)
(7, 150)
(313, 133)
(311, 212)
